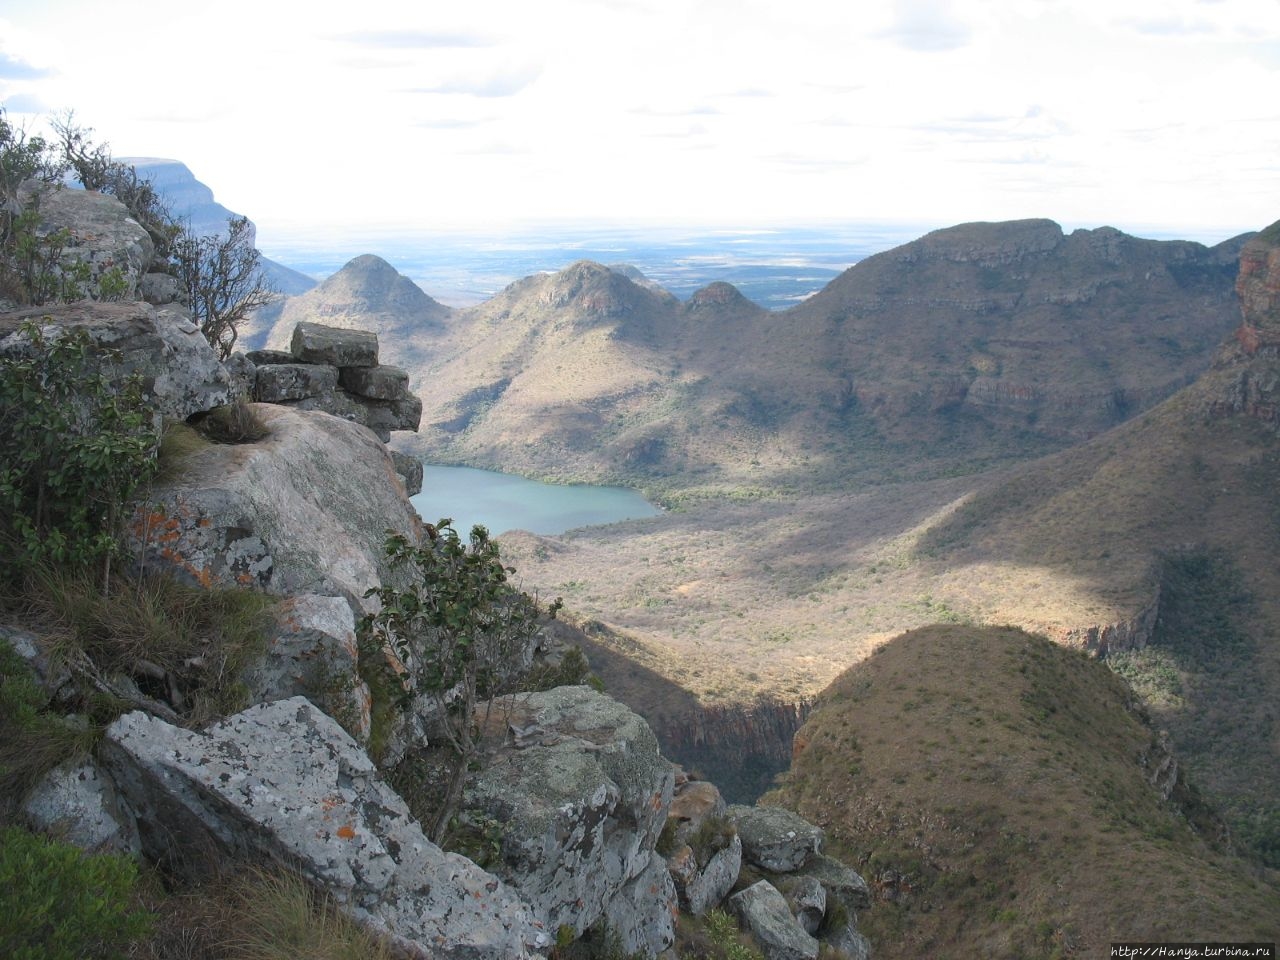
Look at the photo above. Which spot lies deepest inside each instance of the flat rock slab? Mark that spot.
(179, 371)
(277, 382)
(378, 383)
(282, 782)
(336, 346)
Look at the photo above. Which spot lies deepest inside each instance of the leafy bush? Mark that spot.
(459, 627)
(73, 446)
(58, 903)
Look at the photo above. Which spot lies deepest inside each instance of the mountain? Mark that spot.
(1005, 797)
(367, 294)
(192, 203)
(1152, 545)
(973, 346)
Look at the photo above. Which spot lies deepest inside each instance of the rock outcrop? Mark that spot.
(102, 236)
(303, 511)
(774, 838)
(582, 796)
(180, 373)
(284, 783)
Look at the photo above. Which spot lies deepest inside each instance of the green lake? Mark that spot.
(503, 502)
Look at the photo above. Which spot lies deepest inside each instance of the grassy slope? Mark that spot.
(994, 789)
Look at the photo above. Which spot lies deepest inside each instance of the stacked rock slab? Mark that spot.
(337, 371)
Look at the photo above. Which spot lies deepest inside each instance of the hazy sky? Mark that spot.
(319, 116)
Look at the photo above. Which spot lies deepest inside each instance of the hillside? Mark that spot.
(366, 294)
(1005, 799)
(974, 346)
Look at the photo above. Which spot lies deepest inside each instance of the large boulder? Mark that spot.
(774, 838)
(643, 913)
(102, 235)
(180, 372)
(311, 651)
(582, 793)
(764, 912)
(335, 346)
(304, 510)
(701, 886)
(283, 783)
(76, 803)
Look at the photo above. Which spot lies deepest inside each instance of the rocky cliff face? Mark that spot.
(1254, 390)
(740, 748)
(192, 202)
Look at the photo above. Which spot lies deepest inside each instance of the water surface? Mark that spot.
(503, 502)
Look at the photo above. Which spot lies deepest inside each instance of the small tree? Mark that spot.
(224, 281)
(94, 167)
(459, 627)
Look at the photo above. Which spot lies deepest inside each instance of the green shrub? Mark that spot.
(74, 445)
(59, 903)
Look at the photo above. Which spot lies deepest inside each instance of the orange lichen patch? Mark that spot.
(347, 832)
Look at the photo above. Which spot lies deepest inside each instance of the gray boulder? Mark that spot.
(317, 343)
(842, 882)
(380, 416)
(305, 510)
(311, 651)
(75, 803)
(764, 912)
(582, 792)
(180, 372)
(774, 838)
(642, 913)
(161, 288)
(702, 887)
(850, 943)
(283, 783)
(809, 903)
(52, 677)
(103, 235)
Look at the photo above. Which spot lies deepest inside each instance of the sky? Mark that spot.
(1158, 116)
